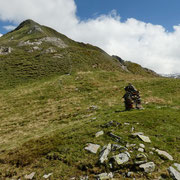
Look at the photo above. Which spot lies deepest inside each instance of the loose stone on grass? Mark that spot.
(140, 149)
(47, 175)
(116, 147)
(30, 176)
(164, 154)
(99, 133)
(104, 153)
(144, 138)
(93, 148)
(104, 176)
(142, 146)
(121, 158)
(177, 166)
(141, 159)
(148, 167)
(115, 137)
(137, 134)
(174, 173)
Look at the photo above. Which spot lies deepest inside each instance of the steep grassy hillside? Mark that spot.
(38, 52)
(56, 94)
(46, 125)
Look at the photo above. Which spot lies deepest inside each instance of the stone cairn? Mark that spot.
(132, 99)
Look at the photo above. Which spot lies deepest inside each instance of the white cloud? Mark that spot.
(147, 44)
(9, 28)
(0, 34)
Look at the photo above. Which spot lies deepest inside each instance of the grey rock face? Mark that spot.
(148, 167)
(164, 154)
(5, 50)
(174, 173)
(104, 153)
(55, 41)
(92, 148)
(50, 50)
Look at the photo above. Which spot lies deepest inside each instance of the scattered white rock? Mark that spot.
(5, 50)
(151, 152)
(132, 129)
(130, 145)
(104, 153)
(121, 158)
(84, 178)
(100, 133)
(144, 138)
(104, 176)
(129, 174)
(142, 145)
(148, 167)
(164, 154)
(174, 173)
(30, 176)
(47, 175)
(141, 159)
(140, 149)
(127, 124)
(177, 166)
(55, 41)
(116, 147)
(92, 147)
(137, 134)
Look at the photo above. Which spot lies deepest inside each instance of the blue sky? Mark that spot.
(162, 12)
(143, 31)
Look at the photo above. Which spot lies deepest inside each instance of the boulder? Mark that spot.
(141, 159)
(100, 133)
(121, 158)
(148, 167)
(93, 148)
(177, 166)
(164, 154)
(104, 153)
(174, 173)
(104, 176)
(144, 138)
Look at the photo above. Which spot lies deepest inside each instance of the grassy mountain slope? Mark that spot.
(61, 97)
(34, 56)
(46, 125)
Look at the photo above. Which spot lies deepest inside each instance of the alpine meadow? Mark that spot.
(62, 114)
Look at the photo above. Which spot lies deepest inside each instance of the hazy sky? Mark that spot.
(146, 32)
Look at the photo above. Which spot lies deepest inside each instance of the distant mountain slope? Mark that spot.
(32, 51)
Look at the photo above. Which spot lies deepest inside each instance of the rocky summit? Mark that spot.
(63, 115)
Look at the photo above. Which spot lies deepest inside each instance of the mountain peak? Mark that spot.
(28, 22)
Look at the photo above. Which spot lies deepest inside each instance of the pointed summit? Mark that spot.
(30, 23)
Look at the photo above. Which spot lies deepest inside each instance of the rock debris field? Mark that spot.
(133, 159)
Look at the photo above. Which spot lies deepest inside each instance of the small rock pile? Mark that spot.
(131, 157)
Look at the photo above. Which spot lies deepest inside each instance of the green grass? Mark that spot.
(46, 115)
(45, 125)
